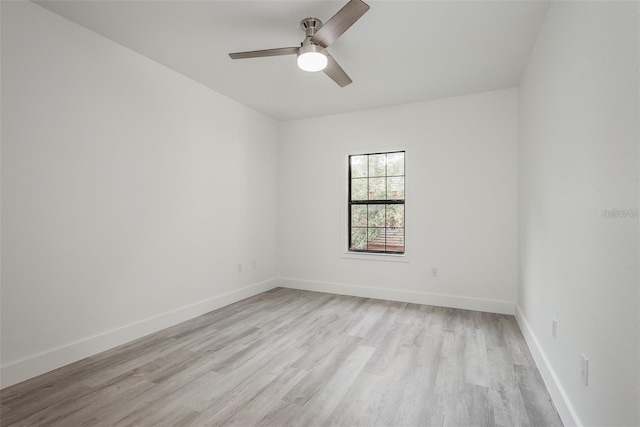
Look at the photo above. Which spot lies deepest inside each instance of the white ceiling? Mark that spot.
(398, 52)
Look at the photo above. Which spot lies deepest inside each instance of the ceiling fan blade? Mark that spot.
(339, 23)
(267, 52)
(335, 71)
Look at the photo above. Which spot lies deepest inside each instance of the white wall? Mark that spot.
(461, 206)
(129, 194)
(579, 119)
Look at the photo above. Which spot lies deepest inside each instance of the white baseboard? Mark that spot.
(49, 360)
(465, 303)
(558, 395)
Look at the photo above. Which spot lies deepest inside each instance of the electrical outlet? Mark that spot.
(554, 328)
(584, 369)
(434, 271)
(253, 265)
(239, 268)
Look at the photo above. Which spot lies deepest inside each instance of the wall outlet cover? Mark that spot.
(584, 369)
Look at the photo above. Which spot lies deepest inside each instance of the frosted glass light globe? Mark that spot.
(312, 57)
(312, 61)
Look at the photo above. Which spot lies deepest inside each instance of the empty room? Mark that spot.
(320, 213)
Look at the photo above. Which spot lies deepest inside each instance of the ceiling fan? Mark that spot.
(312, 53)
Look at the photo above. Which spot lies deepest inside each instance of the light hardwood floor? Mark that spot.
(298, 358)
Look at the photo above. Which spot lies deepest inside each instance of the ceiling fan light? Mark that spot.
(311, 58)
(312, 61)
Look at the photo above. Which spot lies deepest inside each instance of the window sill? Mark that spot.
(376, 257)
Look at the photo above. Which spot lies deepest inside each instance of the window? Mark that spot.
(376, 203)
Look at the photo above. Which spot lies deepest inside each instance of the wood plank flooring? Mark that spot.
(298, 358)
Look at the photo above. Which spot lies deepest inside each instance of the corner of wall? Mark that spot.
(558, 394)
(49, 360)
